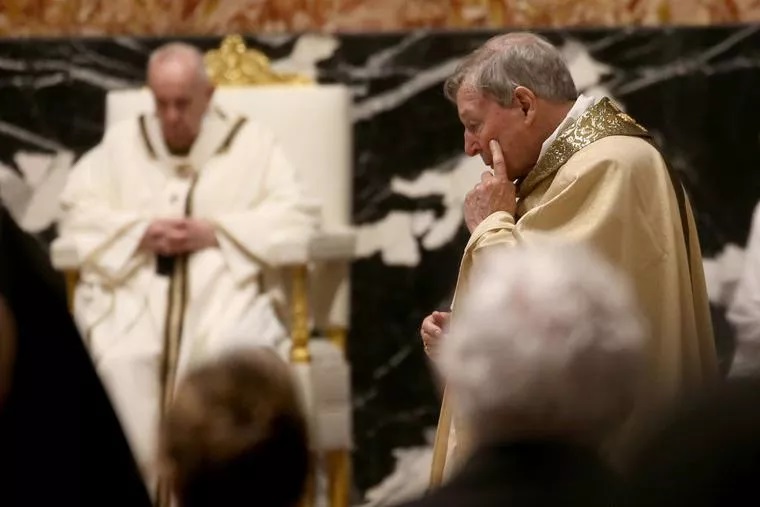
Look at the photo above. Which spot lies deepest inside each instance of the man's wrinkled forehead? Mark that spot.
(469, 101)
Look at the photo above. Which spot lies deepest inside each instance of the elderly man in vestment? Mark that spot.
(175, 216)
(578, 168)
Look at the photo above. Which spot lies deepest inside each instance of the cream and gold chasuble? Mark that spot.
(604, 183)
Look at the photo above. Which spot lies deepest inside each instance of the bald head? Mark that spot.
(178, 57)
(182, 91)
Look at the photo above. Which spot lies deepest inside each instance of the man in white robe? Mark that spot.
(175, 216)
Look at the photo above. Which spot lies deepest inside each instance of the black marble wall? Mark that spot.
(697, 89)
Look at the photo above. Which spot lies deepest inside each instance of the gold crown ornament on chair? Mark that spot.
(234, 64)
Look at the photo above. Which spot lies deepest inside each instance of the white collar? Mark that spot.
(582, 103)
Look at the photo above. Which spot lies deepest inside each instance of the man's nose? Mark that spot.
(172, 115)
(471, 146)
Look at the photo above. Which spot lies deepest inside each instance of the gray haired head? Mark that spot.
(516, 59)
(549, 336)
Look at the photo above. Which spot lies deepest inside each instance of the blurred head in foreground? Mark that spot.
(236, 434)
(60, 441)
(547, 343)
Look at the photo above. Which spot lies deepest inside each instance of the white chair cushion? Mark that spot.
(325, 385)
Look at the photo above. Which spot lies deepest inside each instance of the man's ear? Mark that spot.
(526, 100)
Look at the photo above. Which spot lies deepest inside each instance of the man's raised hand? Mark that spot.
(495, 192)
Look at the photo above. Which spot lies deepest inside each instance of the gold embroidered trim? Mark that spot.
(176, 307)
(218, 110)
(232, 135)
(173, 329)
(146, 139)
(602, 119)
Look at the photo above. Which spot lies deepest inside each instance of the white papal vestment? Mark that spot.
(144, 329)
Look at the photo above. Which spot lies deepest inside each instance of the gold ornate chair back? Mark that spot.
(234, 64)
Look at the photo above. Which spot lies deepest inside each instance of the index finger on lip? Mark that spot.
(497, 159)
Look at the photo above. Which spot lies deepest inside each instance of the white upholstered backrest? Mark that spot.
(312, 123)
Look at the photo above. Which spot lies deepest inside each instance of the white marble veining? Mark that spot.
(376, 104)
(130, 43)
(698, 62)
(307, 52)
(382, 62)
(722, 274)
(25, 136)
(89, 75)
(12, 64)
(410, 476)
(37, 83)
(587, 72)
(32, 195)
(401, 234)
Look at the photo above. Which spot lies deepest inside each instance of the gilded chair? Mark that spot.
(312, 123)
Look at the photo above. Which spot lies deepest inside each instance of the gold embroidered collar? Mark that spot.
(233, 128)
(602, 119)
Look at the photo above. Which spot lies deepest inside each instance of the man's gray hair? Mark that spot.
(186, 53)
(516, 59)
(547, 335)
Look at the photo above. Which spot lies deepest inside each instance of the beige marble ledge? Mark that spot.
(218, 17)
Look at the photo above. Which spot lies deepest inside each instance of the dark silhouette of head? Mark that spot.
(236, 434)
